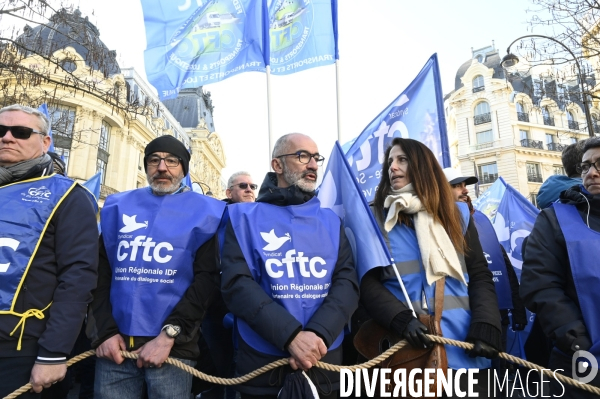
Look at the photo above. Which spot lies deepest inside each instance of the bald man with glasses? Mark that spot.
(288, 274)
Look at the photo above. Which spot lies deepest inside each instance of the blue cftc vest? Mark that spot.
(493, 255)
(151, 242)
(584, 251)
(28, 207)
(291, 252)
(456, 316)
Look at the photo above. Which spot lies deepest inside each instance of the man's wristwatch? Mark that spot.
(171, 330)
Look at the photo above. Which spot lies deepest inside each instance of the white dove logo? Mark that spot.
(273, 241)
(131, 224)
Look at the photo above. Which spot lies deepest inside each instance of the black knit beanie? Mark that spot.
(171, 145)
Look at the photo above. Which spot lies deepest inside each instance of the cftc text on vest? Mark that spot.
(431, 383)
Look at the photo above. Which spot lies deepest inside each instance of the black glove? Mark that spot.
(482, 349)
(414, 333)
(519, 319)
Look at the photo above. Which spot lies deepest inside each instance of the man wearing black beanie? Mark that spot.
(157, 277)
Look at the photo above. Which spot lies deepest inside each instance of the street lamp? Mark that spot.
(511, 60)
(197, 186)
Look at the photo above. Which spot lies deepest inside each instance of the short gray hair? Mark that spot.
(237, 174)
(42, 119)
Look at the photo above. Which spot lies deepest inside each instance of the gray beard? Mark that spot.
(161, 189)
(292, 178)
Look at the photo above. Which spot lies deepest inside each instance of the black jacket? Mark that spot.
(388, 311)
(246, 299)
(547, 283)
(64, 272)
(187, 314)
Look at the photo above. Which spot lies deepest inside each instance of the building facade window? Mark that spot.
(488, 173)
(478, 84)
(595, 124)
(572, 140)
(101, 167)
(482, 113)
(103, 145)
(548, 118)
(524, 134)
(63, 153)
(62, 123)
(533, 172)
(558, 170)
(485, 139)
(573, 124)
(549, 138)
(522, 114)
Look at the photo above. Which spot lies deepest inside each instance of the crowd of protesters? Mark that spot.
(211, 283)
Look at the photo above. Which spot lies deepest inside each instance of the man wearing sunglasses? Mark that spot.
(240, 188)
(560, 275)
(288, 274)
(48, 255)
(157, 277)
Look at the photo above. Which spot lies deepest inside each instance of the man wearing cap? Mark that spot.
(157, 277)
(505, 278)
(48, 255)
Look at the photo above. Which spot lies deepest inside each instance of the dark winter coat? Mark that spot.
(547, 285)
(246, 299)
(64, 272)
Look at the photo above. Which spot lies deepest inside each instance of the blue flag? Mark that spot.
(339, 192)
(513, 222)
(302, 33)
(201, 42)
(44, 110)
(418, 113)
(513, 217)
(93, 184)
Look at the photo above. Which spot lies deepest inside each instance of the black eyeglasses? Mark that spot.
(305, 156)
(584, 167)
(244, 186)
(18, 132)
(171, 162)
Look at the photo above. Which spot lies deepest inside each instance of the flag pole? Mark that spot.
(337, 94)
(270, 122)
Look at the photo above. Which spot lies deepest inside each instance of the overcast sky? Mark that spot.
(383, 45)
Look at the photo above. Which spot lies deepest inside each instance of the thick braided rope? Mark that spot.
(325, 366)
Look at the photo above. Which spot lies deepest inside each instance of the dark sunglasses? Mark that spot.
(18, 132)
(244, 186)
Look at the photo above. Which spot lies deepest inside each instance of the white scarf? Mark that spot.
(437, 251)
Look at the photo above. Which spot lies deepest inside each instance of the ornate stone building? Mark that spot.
(516, 127)
(102, 116)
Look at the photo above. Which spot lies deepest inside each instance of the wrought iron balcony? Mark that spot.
(555, 147)
(573, 125)
(483, 118)
(534, 178)
(548, 121)
(532, 144)
(480, 88)
(596, 128)
(523, 116)
(487, 178)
